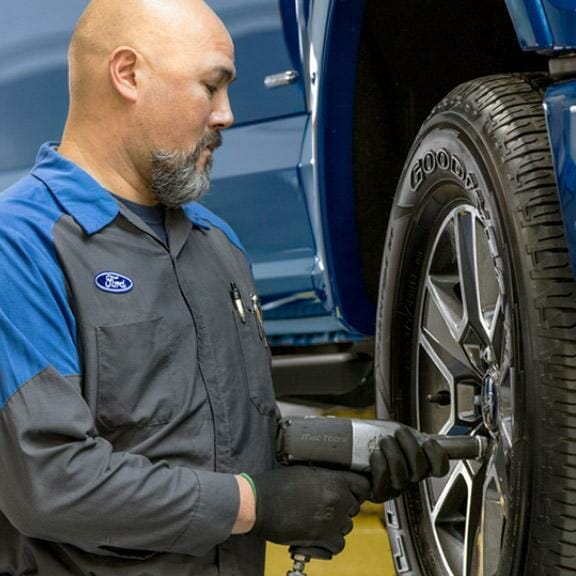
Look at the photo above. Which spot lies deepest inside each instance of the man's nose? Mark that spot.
(222, 116)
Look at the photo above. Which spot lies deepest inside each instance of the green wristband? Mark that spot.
(251, 482)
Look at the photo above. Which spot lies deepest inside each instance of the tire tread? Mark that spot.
(518, 130)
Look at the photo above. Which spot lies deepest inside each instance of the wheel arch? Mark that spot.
(399, 78)
(332, 113)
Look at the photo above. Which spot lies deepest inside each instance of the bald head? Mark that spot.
(160, 31)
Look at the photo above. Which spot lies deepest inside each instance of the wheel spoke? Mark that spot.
(473, 521)
(441, 373)
(452, 368)
(457, 378)
(435, 390)
(497, 323)
(500, 467)
(494, 512)
(448, 306)
(437, 487)
(498, 332)
(506, 408)
(440, 318)
(468, 261)
(449, 517)
(443, 281)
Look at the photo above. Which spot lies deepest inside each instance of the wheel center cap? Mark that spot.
(490, 399)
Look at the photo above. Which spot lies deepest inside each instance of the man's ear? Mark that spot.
(123, 67)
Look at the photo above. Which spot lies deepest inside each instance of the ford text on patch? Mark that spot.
(113, 282)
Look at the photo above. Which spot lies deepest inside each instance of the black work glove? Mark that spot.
(304, 506)
(402, 461)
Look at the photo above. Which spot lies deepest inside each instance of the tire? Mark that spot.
(477, 335)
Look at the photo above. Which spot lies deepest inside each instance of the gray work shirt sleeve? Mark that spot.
(214, 516)
(63, 483)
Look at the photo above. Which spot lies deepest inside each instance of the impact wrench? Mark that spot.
(347, 444)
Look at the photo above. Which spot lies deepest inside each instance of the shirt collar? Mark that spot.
(195, 214)
(91, 205)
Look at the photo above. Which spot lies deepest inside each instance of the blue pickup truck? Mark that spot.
(403, 177)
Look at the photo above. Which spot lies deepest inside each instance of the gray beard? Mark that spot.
(176, 179)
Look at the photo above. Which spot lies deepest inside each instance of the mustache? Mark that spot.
(212, 140)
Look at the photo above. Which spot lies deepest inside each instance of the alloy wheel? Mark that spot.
(465, 385)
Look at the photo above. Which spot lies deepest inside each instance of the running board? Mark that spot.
(321, 375)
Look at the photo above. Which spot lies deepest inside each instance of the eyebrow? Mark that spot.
(224, 73)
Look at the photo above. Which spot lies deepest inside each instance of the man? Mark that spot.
(137, 417)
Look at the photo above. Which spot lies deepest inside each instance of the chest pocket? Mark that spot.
(137, 384)
(257, 364)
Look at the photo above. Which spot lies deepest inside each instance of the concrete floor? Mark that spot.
(367, 551)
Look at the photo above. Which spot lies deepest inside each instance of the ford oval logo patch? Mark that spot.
(113, 282)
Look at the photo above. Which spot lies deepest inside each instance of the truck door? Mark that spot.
(257, 186)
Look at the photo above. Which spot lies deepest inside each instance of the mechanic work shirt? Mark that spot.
(131, 388)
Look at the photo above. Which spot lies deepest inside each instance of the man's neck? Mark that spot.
(109, 165)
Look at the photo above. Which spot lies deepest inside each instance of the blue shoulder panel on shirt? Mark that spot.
(37, 326)
(202, 217)
(77, 192)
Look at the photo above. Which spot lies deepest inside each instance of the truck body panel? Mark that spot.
(560, 106)
(544, 25)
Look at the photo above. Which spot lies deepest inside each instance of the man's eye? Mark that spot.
(211, 89)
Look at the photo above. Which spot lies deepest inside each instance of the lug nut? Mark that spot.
(442, 398)
(487, 356)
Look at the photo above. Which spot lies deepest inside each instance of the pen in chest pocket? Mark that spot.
(259, 317)
(255, 307)
(237, 301)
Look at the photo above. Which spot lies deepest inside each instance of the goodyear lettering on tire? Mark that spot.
(445, 161)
